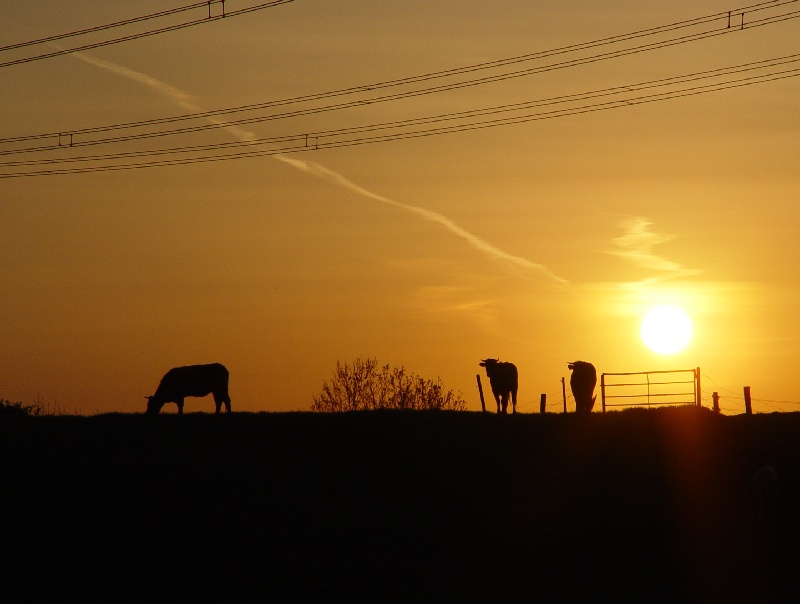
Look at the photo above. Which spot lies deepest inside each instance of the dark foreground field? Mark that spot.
(404, 506)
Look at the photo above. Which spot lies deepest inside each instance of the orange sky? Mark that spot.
(539, 242)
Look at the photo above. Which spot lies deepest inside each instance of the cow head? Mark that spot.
(489, 363)
(153, 405)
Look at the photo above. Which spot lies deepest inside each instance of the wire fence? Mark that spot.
(730, 402)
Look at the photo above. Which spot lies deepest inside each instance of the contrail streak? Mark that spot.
(189, 103)
(478, 243)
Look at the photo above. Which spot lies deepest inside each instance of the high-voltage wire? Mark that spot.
(211, 124)
(106, 26)
(127, 38)
(315, 136)
(723, 28)
(298, 143)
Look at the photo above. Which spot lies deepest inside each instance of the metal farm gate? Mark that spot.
(651, 388)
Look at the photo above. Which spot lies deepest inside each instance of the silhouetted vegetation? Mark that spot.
(362, 385)
(9, 409)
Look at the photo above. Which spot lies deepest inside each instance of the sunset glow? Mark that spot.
(429, 184)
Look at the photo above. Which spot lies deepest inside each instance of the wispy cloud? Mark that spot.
(190, 103)
(636, 246)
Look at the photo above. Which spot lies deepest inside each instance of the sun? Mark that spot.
(666, 329)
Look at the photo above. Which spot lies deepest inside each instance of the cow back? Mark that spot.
(582, 382)
(193, 380)
(503, 377)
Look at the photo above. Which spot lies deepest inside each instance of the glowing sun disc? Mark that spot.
(666, 329)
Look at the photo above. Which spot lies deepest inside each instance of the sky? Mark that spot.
(539, 241)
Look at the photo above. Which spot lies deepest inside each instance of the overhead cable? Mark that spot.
(692, 78)
(366, 134)
(127, 38)
(75, 140)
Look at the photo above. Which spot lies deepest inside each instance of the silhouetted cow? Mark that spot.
(194, 380)
(504, 380)
(582, 382)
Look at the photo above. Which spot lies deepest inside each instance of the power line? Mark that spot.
(300, 142)
(208, 3)
(560, 106)
(722, 29)
(89, 30)
(152, 32)
(617, 90)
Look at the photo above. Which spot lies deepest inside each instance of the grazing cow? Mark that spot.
(767, 490)
(504, 380)
(194, 380)
(582, 382)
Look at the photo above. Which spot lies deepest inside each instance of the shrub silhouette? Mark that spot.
(362, 385)
(9, 409)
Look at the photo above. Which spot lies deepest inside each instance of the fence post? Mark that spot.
(715, 396)
(564, 394)
(603, 390)
(480, 391)
(698, 394)
(748, 406)
(543, 404)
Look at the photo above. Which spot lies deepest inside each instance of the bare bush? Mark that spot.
(9, 409)
(362, 385)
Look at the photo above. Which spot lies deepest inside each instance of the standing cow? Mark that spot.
(194, 380)
(504, 380)
(582, 382)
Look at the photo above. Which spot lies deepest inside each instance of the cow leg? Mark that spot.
(514, 402)
(219, 401)
(497, 400)
(179, 402)
(505, 403)
(220, 398)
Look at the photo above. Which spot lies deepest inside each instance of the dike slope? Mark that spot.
(394, 506)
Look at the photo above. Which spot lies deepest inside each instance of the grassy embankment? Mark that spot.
(399, 505)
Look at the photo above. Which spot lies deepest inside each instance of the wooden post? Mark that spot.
(480, 391)
(564, 394)
(748, 406)
(698, 394)
(603, 390)
(543, 404)
(715, 396)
